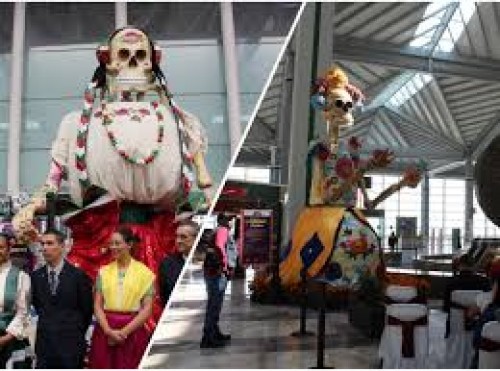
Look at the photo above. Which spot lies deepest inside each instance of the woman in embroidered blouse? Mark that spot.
(14, 304)
(123, 303)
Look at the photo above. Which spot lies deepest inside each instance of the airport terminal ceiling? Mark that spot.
(431, 93)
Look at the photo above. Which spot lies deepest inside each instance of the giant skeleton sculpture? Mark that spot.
(331, 238)
(126, 159)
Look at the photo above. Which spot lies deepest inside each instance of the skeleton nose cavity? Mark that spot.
(132, 62)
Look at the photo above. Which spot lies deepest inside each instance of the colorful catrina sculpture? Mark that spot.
(331, 238)
(126, 159)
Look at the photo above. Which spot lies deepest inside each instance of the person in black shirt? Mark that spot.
(171, 266)
(393, 241)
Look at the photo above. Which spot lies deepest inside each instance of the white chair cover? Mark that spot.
(484, 299)
(459, 349)
(392, 338)
(401, 294)
(491, 331)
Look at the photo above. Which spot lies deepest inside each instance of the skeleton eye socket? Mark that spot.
(123, 54)
(140, 54)
(348, 105)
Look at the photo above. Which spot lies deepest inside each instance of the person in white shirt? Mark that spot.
(14, 304)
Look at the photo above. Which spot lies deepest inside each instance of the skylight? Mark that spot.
(417, 82)
(424, 35)
(456, 26)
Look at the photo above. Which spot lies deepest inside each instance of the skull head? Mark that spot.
(130, 66)
(338, 110)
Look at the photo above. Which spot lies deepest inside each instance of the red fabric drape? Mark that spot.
(92, 230)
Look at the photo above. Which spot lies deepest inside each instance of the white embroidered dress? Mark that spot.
(154, 183)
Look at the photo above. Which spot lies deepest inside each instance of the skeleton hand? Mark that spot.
(40, 204)
(202, 175)
(381, 158)
(208, 193)
(23, 221)
(411, 177)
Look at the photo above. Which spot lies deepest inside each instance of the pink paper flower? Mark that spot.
(344, 168)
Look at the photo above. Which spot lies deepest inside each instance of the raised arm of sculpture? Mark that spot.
(411, 178)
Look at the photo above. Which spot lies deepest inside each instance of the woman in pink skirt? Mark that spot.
(123, 305)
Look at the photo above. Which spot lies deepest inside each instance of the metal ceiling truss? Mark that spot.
(416, 153)
(447, 167)
(425, 128)
(489, 132)
(411, 58)
(403, 139)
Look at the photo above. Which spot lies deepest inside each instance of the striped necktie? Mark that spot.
(52, 282)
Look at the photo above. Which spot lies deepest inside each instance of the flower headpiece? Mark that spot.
(334, 78)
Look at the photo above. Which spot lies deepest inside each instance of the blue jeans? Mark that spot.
(216, 287)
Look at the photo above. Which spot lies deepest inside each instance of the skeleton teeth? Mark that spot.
(131, 81)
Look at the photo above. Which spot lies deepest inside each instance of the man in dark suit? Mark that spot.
(171, 266)
(62, 297)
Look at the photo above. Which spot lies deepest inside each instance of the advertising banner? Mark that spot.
(257, 236)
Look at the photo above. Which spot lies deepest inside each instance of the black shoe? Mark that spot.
(213, 343)
(222, 337)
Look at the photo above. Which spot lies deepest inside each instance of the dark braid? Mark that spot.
(100, 76)
(161, 79)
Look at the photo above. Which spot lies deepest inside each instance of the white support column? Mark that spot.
(324, 57)
(424, 209)
(469, 203)
(16, 94)
(284, 114)
(232, 79)
(303, 47)
(275, 168)
(121, 16)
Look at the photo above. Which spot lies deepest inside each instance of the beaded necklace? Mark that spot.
(82, 138)
(107, 120)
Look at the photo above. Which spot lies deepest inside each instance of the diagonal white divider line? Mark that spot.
(231, 163)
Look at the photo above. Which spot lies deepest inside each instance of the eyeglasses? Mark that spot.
(345, 106)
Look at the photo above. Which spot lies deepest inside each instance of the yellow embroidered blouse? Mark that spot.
(123, 291)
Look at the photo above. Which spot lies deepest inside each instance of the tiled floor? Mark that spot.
(260, 334)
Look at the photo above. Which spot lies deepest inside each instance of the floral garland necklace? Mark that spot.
(107, 120)
(82, 136)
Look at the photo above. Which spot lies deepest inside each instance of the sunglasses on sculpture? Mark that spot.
(345, 106)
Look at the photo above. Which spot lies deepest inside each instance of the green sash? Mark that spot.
(9, 298)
